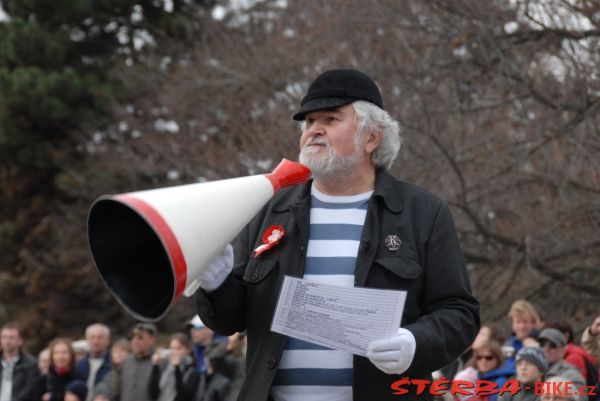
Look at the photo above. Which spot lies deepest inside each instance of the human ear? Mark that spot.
(373, 141)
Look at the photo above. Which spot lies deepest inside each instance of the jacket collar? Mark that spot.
(292, 198)
(105, 357)
(385, 188)
(15, 360)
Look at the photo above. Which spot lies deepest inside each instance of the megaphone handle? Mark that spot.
(288, 173)
(192, 288)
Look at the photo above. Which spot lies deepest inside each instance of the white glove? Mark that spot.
(215, 274)
(393, 355)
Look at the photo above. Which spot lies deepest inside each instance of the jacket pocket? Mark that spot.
(258, 269)
(402, 266)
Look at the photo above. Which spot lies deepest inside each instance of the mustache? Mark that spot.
(316, 141)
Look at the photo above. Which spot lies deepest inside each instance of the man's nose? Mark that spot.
(316, 129)
(317, 125)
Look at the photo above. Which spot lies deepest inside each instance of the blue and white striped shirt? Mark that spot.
(308, 371)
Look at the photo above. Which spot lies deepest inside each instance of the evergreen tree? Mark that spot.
(57, 80)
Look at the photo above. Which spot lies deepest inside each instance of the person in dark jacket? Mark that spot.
(18, 369)
(174, 376)
(214, 384)
(77, 390)
(353, 225)
(235, 363)
(62, 369)
(96, 363)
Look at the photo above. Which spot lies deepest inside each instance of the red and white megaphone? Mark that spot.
(150, 246)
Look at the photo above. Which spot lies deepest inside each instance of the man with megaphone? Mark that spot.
(353, 225)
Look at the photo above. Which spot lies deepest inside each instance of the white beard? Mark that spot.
(330, 165)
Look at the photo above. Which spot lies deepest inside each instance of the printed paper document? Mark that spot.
(343, 318)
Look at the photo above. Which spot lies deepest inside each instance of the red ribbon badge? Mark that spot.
(270, 238)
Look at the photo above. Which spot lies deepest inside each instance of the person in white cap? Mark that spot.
(352, 225)
(201, 337)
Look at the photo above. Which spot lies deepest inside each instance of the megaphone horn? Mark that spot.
(150, 246)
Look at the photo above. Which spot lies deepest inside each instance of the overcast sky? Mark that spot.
(3, 15)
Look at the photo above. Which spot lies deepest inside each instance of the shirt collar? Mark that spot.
(385, 189)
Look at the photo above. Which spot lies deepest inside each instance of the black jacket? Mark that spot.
(215, 387)
(440, 310)
(83, 368)
(25, 376)
(56, 384)
(186, 381)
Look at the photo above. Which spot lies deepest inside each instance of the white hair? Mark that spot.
(100, 326)
(369, 118)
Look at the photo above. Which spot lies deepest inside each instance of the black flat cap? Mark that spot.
(336, 88)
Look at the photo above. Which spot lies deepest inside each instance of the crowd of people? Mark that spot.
(537, 351)
(194, 366)
(204, 366)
